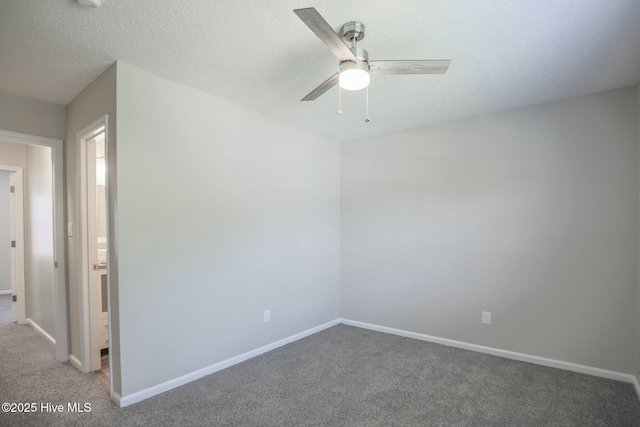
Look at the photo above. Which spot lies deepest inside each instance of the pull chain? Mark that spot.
(367, 119)
(339, 110)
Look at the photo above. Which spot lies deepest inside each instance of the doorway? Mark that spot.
(49, 303)
(94, 250)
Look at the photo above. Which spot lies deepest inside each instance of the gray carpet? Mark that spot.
(5, 309)
(343, 376)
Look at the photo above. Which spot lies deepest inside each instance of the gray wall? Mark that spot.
(39, 238)
(19, 114)
(531, 214)
(222, 213)
(5, 232)
(96, 100)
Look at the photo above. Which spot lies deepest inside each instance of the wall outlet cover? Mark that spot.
(486, 317)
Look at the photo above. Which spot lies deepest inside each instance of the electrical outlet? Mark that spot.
(267, 316)
(70, 229)
(486, 317)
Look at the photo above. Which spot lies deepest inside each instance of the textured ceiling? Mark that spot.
(504, 53)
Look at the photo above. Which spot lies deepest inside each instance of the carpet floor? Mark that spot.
(343, 376)
(5, 309)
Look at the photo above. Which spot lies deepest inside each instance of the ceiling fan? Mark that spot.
(355, 67)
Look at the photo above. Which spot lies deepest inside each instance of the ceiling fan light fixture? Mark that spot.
(354, 61)
(354, 75)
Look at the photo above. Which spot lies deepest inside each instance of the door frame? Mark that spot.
(59, 239)
(17, 232)
(88, 360)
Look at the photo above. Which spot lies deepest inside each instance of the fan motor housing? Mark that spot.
(360, 53)
(350, 65)
(362, 63)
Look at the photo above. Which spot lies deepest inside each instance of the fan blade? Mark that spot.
(427, 66)
(325, 86)
(325, 33)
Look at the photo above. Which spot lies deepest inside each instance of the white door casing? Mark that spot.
(94, 322)
(97, 267)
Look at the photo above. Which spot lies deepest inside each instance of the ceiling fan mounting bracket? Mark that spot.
(353, 30)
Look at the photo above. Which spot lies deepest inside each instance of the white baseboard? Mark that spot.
(636, 385)
(75, 362)
(117, 399)
(5, 292)
(138, 396)
(42, 332)
(553, 363)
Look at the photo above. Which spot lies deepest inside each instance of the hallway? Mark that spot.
(30, 373)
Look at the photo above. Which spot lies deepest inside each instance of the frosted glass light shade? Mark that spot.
(354, 79)
(354, 75)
